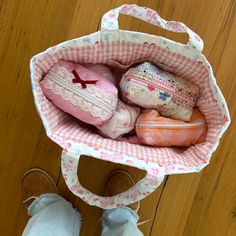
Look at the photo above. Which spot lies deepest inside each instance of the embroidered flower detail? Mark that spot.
(112, 15)
(135, 36)
(151, 87)
(86, 40)
(126, 8)
(152, 16)
(197, 37)
(177, 26)
(163, 96)
(106, 202)
(225, 119)
(154, 171)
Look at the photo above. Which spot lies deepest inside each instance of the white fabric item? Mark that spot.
(122, 122)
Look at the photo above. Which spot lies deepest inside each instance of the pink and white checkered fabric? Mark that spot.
(66, 128)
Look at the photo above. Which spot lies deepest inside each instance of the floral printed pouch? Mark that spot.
(150, 87)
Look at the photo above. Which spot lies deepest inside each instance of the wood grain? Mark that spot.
(201, 204)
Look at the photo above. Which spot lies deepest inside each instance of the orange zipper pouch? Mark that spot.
(153, 129)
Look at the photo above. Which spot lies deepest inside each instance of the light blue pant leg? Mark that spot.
(52, 215)
(120, 222)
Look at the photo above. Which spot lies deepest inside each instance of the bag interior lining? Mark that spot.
(124, 54)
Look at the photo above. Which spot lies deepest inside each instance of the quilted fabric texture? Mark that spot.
(150, 87)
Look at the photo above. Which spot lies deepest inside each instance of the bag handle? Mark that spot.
(110, 22)
(144, 187)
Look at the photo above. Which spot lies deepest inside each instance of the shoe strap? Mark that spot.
(144, 222)
(29, 198)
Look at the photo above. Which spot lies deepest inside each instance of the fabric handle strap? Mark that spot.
(144, 187)
(110, 22)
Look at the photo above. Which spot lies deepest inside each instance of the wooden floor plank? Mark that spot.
(175, 203)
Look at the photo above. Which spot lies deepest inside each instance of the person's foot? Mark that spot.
(120, 181)
(36, 182)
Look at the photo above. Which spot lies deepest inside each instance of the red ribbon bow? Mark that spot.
(82, 82)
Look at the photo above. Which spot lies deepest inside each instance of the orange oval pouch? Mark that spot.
(153, 129)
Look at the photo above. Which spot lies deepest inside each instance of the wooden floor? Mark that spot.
(190, 205)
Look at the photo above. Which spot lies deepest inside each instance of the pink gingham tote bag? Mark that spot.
(116, 47)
